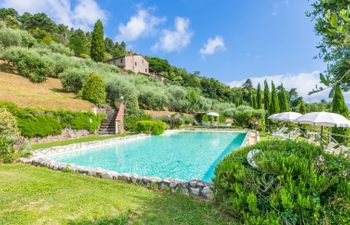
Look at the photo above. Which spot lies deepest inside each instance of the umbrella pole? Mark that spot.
(321, 137)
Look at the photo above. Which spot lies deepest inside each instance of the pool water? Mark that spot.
(181, 155)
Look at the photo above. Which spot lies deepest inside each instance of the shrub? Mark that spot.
(7, 150)
(151, 99)
(18, 38)
(291, 183)
(73, 79)
(150, 127)
(35, 123)
(94, 90)
(79, 120)
(8, 124)
(39, 126)
(28, 63)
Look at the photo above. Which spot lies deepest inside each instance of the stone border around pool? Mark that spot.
(195, 187)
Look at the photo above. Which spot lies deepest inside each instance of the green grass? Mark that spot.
(76, 140)
(36, 195)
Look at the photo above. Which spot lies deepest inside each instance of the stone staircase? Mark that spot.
(108, 125)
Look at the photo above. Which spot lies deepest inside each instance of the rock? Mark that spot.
(195, 191)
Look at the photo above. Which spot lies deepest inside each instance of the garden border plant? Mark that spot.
(291, 183)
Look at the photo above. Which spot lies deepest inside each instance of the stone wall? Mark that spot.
(193, 187)
(67, 133)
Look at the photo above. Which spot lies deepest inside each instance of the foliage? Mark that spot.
(39, 123)
(242, 115)
(283, 101)
(150, 127)
(301, 107)
(19, 38)
(28, 63)
(7, 150)
(339, 106)
(73, 79)
(293, 183)
(8, 124)
(115, 49)
(332, 23)
(78, 42)
(131, 120)
(94, 90)
(152, 99)
(58, 48)
(267, 96)
(97, 42)
(259, 103)
(274, 105)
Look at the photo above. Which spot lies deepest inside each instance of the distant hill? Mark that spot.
(23, 93)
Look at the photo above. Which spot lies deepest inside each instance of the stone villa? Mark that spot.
(135, 63)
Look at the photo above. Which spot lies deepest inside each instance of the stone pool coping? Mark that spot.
(194, 187)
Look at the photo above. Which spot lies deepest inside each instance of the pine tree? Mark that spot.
(283, 100)
(266, 97)
(301, 107)
(339, 106)
(274, 105)
(97, 42)
(258, 97)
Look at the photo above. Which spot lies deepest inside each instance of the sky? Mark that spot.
(230, 40)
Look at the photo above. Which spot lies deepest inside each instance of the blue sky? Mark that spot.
(230, 40)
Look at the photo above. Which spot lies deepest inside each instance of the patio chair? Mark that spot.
(280, 132)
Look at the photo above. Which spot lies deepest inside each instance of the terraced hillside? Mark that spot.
(46, 95)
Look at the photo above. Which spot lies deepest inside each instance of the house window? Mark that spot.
(135, 63)
(146, 70)
(121, 60)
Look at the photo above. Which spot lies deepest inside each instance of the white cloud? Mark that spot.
(304, 82)
(83, 15)
(175, 40)
(278, 5)
(213, 45)
(139, 25)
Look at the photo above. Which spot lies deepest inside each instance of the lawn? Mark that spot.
(25, 94)
(36, 195)
(76, 140)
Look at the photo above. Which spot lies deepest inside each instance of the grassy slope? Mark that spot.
(33, 195)
(22, 92)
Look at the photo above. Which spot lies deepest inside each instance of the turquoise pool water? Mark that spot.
(182, 155)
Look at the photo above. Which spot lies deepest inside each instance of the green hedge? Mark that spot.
(150, 127)
(293, 183)
(41, 123)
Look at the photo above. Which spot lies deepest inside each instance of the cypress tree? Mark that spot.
(258, 97)
(97, 42)
(266, 103)
(253, 102)
(339, 106)
(283, 100)
(274, 105)
(301, 107)
(266, 97)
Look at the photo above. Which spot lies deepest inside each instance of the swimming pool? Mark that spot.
(179, 155)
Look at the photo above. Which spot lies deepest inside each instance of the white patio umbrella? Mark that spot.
(273, 116)
(213, 114)
(286, 116)
(323, 119)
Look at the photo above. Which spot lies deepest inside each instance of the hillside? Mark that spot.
(46, 95)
